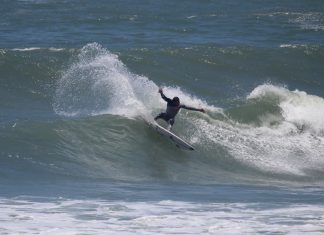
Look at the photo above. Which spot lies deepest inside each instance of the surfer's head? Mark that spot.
(176, 100)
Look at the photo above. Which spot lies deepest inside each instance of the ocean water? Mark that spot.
(77, 78)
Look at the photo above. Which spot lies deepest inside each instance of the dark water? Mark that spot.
(78, 77)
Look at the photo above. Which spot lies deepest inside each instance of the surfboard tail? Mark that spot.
(170, 135)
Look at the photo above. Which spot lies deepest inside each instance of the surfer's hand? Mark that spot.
(160, 90)
(202, 110)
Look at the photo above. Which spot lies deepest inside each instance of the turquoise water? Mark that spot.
(78, 78)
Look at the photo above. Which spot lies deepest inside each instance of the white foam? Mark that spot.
(62, 216)
(305, 20)
(295, 146)
(56, 49)
(288, 46)
(297, 107)
(38, 48)
(27, 49)
(309, 21)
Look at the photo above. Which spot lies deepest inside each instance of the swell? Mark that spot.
(118, 148)
(28, 78)
(272, 134)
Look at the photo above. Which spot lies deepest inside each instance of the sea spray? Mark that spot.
(99, 83)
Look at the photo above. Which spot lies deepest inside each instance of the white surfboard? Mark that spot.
(171, 136)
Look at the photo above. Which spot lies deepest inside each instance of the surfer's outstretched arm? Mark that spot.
(163, 96)
(192, 108)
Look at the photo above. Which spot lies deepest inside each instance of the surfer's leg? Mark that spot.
(158, 116)
(171, 122)
(162, 116)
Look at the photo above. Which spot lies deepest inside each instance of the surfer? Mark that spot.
(173, 107)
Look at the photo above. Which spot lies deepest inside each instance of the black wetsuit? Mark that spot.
(172, 110)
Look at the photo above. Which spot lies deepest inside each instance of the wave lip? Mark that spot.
(297, 107)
